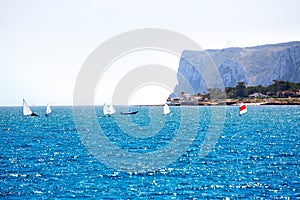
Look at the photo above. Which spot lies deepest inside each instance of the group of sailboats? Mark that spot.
(108, 109)
(28, 112)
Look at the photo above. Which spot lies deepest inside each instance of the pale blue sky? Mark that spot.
(44, 43)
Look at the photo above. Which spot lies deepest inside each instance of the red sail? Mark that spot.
(242, 107)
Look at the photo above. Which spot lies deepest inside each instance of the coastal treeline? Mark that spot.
(279, 89)
(278, 93)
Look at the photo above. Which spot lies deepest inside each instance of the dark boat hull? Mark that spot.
(129, 113)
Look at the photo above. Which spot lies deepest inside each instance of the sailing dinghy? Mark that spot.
(166, 109)
(27, 110)
(48, 110)
(129, 113)
(108, 109)
(243, 109)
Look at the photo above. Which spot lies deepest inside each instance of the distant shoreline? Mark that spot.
(250, 102)
(227, 102)
(247, 104)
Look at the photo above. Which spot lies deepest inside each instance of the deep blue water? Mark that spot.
(256, 155)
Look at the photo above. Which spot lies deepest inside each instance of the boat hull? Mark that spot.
(129, 113)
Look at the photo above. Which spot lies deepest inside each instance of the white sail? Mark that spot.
(166, 109)
(26, 108)
(108, 109)
(112, 110)
(105, 109)
(48, 109)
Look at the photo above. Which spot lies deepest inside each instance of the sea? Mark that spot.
(192, 153)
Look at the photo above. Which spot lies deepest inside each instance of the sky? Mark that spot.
(43, 44)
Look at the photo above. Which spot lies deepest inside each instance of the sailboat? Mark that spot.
(108, 109)
(166, 109)
(48, 110)
(129, 113)
(243, 109)
(27, 110)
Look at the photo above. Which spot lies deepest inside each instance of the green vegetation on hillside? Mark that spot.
(279, 93)
(279, 89)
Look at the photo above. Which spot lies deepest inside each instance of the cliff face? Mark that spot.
(258, 65)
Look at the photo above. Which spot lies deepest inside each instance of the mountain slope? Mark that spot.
(258, 65)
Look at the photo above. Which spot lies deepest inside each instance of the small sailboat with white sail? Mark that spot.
(48, 110)
(108, 109)
(27, 110)
(166, 109)
(243, 108)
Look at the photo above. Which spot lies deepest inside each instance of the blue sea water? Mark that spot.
(253, 156)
